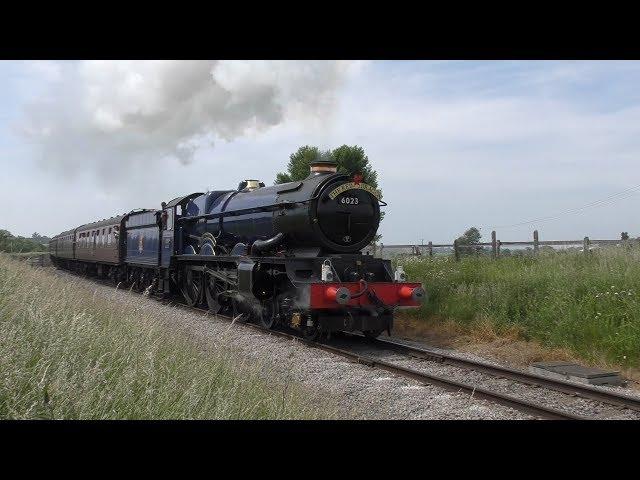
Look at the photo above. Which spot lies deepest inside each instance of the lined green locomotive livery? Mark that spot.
(289, 254)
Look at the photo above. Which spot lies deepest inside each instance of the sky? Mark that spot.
(505, 145)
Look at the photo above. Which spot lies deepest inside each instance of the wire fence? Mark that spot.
(496, 247)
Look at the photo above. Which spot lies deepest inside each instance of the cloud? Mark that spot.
(455, 144)
(99, 116)
(495, 148)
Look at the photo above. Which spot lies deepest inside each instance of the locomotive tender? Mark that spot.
(289, 254)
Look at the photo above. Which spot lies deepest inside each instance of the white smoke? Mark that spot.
(101, 115)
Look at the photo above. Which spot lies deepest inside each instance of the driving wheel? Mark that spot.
(192, 287)
(213, 289)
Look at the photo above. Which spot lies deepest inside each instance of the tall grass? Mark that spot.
(67, 353)
(589, 304)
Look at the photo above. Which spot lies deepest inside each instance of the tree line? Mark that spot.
(18, 244)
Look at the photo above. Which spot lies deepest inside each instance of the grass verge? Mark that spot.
(577, 305)
(67, 353)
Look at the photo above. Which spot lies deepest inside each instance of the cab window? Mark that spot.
(170, 219)
(167, 219)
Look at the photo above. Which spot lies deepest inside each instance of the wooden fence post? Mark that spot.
(535, 242)
(430, 249)
(498, 249)
(456, 253)
(494, 245)
(585, 245)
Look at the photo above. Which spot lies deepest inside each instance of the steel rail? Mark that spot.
(475, 391)
(583, 391)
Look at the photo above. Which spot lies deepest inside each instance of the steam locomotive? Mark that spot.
(289, 254)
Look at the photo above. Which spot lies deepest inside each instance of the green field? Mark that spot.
(66, 353)
(588, 304)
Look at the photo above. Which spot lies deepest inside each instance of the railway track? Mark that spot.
(521, 376)
(574, 390)
(520, 404)
(532, 408)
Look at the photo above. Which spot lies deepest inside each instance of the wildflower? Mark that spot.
(624, 357)
(613, 287)
(615, 293)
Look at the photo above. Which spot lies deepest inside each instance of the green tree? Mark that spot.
(470, 238)
(298, 166)
(350, 160)
(11, 243)
(5, 236)
(36, 237)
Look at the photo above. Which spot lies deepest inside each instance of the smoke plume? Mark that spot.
(98, 116)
